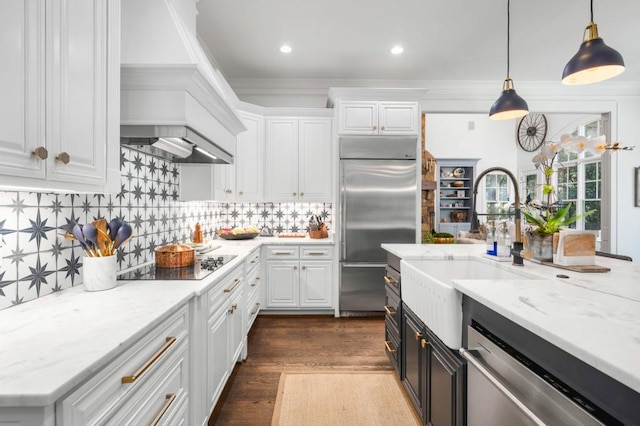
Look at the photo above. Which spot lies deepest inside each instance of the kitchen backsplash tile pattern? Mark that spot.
(37, 260)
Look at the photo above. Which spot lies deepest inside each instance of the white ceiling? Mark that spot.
(443, 40)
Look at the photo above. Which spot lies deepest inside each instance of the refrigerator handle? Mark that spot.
(343, 222)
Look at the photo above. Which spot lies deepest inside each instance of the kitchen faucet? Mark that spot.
(516, 251)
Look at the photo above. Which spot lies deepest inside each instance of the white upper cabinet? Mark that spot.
(378, 118)
(59, 113)
(249, 159)
(298, 159)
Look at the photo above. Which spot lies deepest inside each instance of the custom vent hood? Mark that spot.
(173, 102)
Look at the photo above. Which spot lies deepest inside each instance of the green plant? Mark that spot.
(548, 222)
(442, 235)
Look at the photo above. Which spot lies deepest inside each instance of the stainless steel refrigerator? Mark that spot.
(378, 204)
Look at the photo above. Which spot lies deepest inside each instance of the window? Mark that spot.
(579, 181)
(496, 195)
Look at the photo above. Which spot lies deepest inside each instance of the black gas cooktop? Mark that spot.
(199, 270)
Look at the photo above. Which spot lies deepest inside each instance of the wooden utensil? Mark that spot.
(103, 239)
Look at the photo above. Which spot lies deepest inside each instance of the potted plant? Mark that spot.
(549, 218)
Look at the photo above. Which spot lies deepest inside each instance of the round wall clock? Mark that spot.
(531, 132)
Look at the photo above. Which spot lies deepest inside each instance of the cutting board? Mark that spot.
(576, 268)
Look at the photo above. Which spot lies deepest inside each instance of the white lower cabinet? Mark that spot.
(148, 381)
(295, 281)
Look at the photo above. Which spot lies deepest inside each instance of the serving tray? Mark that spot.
(246, 236)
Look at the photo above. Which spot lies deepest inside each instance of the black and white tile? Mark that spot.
(37, 260)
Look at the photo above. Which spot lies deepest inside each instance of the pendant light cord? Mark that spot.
(508, 33)
(591, 10)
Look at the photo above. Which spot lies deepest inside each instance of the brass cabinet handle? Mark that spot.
(294, 194)
(389, 311)
(255, 282)
(41, 153)
(63, 157)
(304, 268)
(418, 335)
(282, 253)
(235, 284)
(295, 268)
(302, 194)
(390, 280)
(167, 403)
(382, 128)
(424, 343)
(375, 127)
(387, 344)
(316, 253)
(130, 379)
(255, 311)
(256, 259)
(233, 308)
(241, 193)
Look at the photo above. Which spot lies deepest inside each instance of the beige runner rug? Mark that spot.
(340, 398)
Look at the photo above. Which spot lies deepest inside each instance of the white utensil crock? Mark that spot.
(99, 273)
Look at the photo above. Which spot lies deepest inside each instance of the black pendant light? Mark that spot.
(509, 104)
(595, 61)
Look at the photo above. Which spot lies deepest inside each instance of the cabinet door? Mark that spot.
(224, 188)
(281, 159)
(442, 390)
(283, 284)
(398, 118)
(250, 159)
(77, 49)
(314, 171)
(236, 329)
(22, 82)
(358, 118)
(316, 284)
(413, 361)
(217, 355)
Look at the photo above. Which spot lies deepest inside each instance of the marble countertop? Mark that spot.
(593, 316)
(51, 344)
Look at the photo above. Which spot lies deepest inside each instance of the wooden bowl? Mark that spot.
(175, 256)
(457, 184)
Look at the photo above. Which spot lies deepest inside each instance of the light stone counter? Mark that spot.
(50, 345)
(593, 316)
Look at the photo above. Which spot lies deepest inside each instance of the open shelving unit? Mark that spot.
(454, 194)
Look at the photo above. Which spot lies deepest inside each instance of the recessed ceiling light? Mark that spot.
(396, 50)
(285, 48)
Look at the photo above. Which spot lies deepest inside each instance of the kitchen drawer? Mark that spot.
(392, 308)
(253, 260)
(162, 395)
(102, 395)
(316, 253)
(253, 279)
(253, 308)
(282, 252)
(392, 281)
(221, 291)
(392, 347)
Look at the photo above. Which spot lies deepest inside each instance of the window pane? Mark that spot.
(591, 130)
(504, 194)
(502, 180)
(573, 191)
(592, 221)
(491, 180)
(590, 171)
(562, 175)
(491, 194)
(562, 156)
(562, 192)
(590, 190)
(573, 174)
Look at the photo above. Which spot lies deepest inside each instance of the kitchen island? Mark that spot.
(53, 345)
(593, 318)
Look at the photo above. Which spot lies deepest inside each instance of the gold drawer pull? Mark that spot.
(256, 259)
(167, 403)
(235, 284)
(316, 253)
(41, 153)
(255, 311)
(233, 308)
(390, 280)
(418, 335)
(424, 343)
(387, 344)
(255, 282)
(282, 253)
(63, 157)
(130, 379)
(389, 311)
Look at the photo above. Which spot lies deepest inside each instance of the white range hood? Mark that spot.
(167, 82)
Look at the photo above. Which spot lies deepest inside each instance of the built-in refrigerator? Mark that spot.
(378, 204)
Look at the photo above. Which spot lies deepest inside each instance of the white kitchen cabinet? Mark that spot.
(378, 118)
(133, 387)
(294, 282)
(59, 113)
(241, 181)
(298, 159)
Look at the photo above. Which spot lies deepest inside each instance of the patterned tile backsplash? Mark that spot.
(37, 260)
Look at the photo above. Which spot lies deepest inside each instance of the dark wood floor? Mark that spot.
(277, 343)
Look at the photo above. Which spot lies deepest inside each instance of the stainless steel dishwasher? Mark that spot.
(506, 388)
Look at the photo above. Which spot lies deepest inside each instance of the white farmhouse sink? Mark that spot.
(427, 288)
